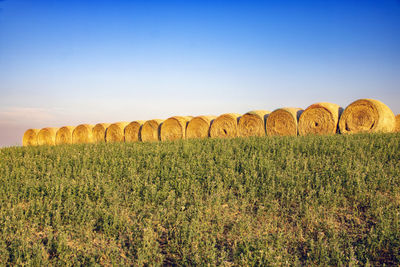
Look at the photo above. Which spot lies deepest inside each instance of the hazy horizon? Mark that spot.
(66, 63)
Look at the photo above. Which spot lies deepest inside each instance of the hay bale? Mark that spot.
(199, 127)
(47, 136)
(174, 128)
(320, 118)
(132, 131)
(99, 132)
(397, 127)
(83, 134)
(368, 116)
(253, 123)
(225, 126)
(283, 121)
(115, 132)
(151, 130)
(30, 137)
(64, 135)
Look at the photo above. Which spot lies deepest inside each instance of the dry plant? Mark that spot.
(253, 123)
(225, 126)
(397, 128)
(174, 128)
(283, 121)
(30, 137)
(199, 127)
(132, 131)
(150, 130)
(99, 132)
(320, 118)
(115, 132)
(367, 115)
(47, 136)
(64, 135)
(83, 134)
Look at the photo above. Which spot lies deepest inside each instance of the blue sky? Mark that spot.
(71, 62)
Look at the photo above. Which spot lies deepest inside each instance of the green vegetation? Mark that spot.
(332, 200)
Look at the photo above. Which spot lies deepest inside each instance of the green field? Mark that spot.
(248, 201)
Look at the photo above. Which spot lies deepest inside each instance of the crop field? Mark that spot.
(313, 200)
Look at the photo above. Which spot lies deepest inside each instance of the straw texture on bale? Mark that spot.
(115, 132)
(83, 134)
(99, 132)
(30, 137)
(367, 115)
(320, 118)
(283, 121)
(199, 127)
(397, 127)
(132, 131)
(64, 135)
(47, 136)
(253, 123)
(150, 130)
(174, 128)
(225, 126)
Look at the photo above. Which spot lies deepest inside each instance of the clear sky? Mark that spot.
(71, 62)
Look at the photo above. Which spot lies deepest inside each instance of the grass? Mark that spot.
(332, 200)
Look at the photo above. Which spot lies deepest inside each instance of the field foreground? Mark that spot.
(285, 200)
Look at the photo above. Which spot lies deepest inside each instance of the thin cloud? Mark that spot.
(24, 115)
(15, 120)
(11, 134)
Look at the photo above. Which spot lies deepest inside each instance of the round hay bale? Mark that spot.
(225, 126)
(199, 127)
(115, 132)
(253, 123)
(99, 132)
(30, 137)
(397, 127)
(83, 134)
(174, 128)
(320, 118)
(47, 136)
(64, 135)
(368, 116)
(150, 130)
(132, 131)
(283, 121)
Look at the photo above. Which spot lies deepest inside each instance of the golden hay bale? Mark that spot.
(283, 121)
(150, 130)
(115, 132)
(83, 134)
(132, 131)
(64, 135)
(99, 132)
(225, 126)
(253, 123)
(199, 127)
(30, 137)
(367, 115)
(174, 128)
(47, 136)
(397, 128)
(320, 118)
